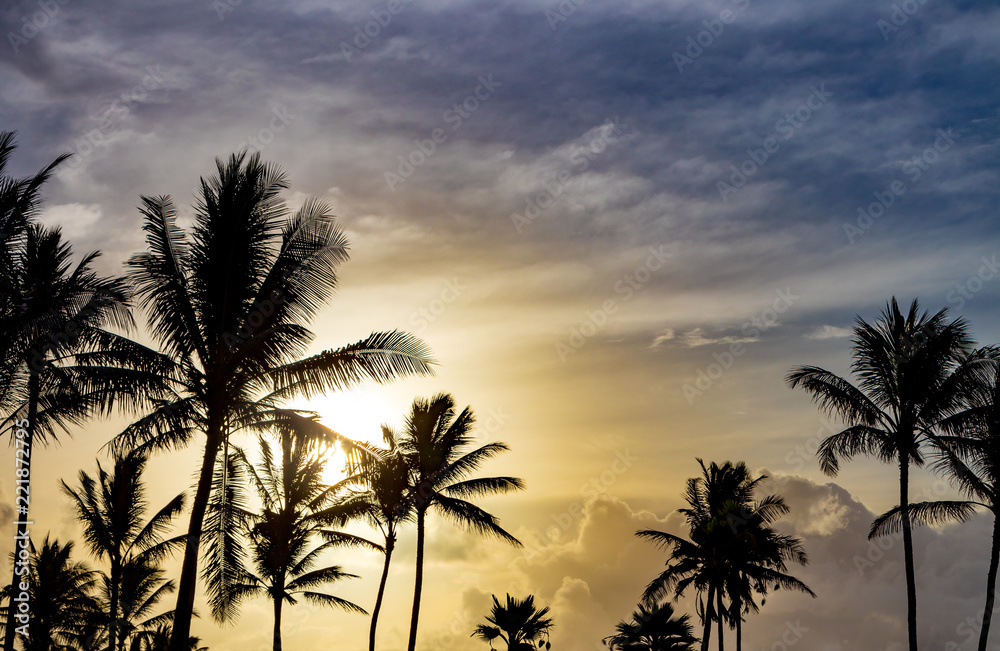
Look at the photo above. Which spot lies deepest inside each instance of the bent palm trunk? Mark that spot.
(390, 543)
(419, 580)
(911, 582)
(707, 634)
(991, 585)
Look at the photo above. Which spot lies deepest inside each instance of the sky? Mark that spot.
(618, 225)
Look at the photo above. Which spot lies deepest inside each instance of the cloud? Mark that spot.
(830, 332)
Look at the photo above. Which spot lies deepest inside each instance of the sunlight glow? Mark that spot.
(357, 414)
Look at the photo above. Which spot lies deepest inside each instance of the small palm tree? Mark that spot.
(905, 365)
(296, 508)
(111, 508)
(517, 623)
(158, 639)
(387, 503)
(732, 553)
(60, 592)
(229, 305)
(434, 443)
(653, 629)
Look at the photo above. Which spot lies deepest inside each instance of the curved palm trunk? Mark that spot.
(706, 636)
(34, 389)
(991, 585)
(419, 581)
(189, 569)
(390, 543)
(718, 596)
(911, 582)
(277, 619)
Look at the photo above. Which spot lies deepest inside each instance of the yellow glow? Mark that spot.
(358, 415)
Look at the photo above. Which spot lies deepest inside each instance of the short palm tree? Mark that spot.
(905, 364)
(229, 305)
(434, 443)
(653, 628)
(386, 498)
(297, 507)
(111, 507)
(158, 639)
(61, 599)
(732, 552)
(517, 623)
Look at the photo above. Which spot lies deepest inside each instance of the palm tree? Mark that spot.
(60, 597)
(968, 453)
(111, 508)
(905, 366)
(520, 625)
(653, 629)
(732, 553)
(433, 443)
(61, 365)
(228, 305)
(296, 508)
(143, 587)
(158, 639)
(387, 504)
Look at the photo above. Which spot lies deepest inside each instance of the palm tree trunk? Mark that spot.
(189, 569)
(991, 584)
(911, 582)
(419, 581)
(113, 615)
(390, 543)
(718, 596)
(709, 607)
(739, 625)
(277, 619)
(34, 389)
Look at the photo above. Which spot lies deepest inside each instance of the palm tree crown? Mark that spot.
(517, 623)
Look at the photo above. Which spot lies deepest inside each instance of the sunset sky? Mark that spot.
(618, 224)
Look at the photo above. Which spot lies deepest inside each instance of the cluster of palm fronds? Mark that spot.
(228, 304)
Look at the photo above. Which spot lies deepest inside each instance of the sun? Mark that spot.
(357, 414)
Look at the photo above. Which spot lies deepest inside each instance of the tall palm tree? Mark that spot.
(60, 596)
(387, 503)
(968, 453)
(654, 628)
(517, 623)
(229, 305)
(732, 553)
(905, 366)
(111, 508)
(434, 443)
(297, 507)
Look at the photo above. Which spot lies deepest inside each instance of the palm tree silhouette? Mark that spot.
(653, 629)
(158, 639)
(111, 508)
(296, 508)
(60, 597)
(732, 552)
(518, 623)
(228, 306)
(434, 442)
(905, 365)
(968, 453)
(387, 503)
(61, 364)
